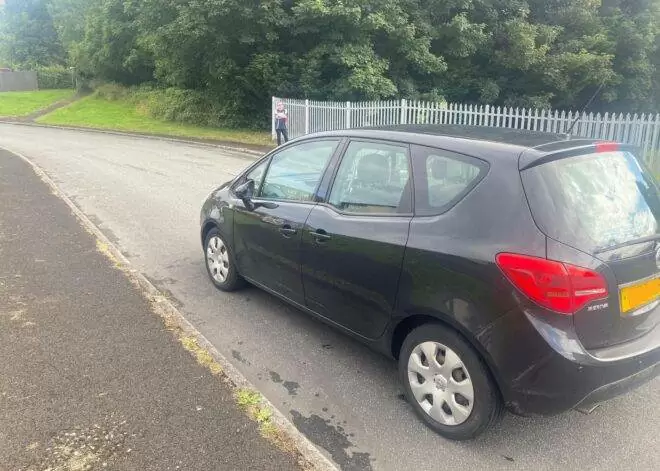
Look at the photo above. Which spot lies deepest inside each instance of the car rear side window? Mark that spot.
(295, 172)
(373, 178)
(442, 178)
(594, 202)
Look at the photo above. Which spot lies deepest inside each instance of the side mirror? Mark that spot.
(245, 191)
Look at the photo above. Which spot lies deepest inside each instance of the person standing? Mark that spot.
(281, 119)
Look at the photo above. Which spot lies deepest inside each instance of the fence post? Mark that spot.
(655, 144)
(404, 111)
(348, 115)
(306, 116)
(272, 118)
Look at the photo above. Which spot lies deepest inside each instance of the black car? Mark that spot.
(501, 268)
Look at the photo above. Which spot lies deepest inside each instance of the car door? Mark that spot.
(354, 241)
(267, 236)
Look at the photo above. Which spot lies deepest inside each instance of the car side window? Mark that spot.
(373, 178)
(257, 174)
(445, 178)
(295, 172)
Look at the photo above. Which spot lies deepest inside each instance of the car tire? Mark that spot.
(220, 264)
(439, 386)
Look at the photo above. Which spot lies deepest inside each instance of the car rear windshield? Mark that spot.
(594, 202)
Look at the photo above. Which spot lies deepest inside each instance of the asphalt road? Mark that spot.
(146, 195)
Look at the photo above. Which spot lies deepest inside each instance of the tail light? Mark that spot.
(557, 286)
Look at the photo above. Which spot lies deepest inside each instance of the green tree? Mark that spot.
(28, 37)
(633, 27)
(237, 53)
(360, 50)
(69, 18)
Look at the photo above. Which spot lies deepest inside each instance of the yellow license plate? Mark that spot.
(638, 295)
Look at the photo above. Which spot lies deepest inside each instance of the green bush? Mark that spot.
(54, 77)
(181, 106)
(113, 92)
(189, 107)
(177, 105)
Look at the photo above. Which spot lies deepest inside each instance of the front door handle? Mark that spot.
(320, 235)
(287, 231)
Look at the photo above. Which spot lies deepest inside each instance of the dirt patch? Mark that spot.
(82, 449)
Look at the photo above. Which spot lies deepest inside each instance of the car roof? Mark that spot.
(486, 143)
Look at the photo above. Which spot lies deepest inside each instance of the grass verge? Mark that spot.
(203, 357)
(248, 400)
(253, 404)
(19, 104)
(122, 115)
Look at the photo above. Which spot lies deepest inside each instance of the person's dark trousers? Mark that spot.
(282, 133)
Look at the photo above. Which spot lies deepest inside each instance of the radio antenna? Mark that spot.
(584, 108)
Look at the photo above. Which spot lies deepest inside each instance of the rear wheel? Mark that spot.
(220, 263)
(447, 384)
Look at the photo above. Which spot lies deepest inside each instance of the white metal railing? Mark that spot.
(307, 116)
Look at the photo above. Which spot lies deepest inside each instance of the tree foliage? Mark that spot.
(537, 53)
(27, 35)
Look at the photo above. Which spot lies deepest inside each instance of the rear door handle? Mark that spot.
(287, 231)
(320, 235)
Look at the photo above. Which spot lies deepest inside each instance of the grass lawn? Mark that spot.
(95, 112)
(17, 104)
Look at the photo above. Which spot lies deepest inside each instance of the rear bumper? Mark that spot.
(621, 386)
(559, 384)
(542, 369)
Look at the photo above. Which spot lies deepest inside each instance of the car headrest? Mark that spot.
(373, 168)
(438, 168)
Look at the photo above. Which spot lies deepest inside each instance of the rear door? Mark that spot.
(604, 205)
(354, 241)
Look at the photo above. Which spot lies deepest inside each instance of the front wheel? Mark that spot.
(220, 263)
(446, 382)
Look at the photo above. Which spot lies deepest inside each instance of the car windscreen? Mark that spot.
(594, 202)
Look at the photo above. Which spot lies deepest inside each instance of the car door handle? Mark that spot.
(320, 235)
(287, 231)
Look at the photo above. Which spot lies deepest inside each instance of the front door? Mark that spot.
(353, 244)
(267, 239)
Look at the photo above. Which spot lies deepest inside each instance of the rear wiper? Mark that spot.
(641, 240)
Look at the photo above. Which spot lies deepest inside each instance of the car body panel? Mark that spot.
(449, 263)
(267, 246)
(586, 225)
(351, 275)
(601, 324)
(547, 369)
(216, 212)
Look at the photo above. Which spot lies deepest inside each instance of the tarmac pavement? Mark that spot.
(89, 376)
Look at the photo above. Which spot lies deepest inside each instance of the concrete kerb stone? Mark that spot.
(236, 148)
(313, 457)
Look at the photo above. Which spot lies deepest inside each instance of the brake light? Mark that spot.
(607, 147)
(557, 286)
